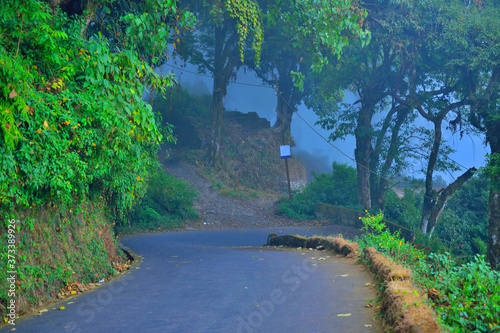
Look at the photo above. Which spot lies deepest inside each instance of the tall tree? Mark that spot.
(280, 57)
(217, 46)
(375, 74)
(471, 42)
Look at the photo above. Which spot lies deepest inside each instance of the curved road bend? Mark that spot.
(221, 281)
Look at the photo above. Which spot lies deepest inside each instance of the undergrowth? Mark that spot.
(466, 297)
(334, 188)
(168, 202)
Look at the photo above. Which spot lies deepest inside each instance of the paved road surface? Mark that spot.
(221, 281)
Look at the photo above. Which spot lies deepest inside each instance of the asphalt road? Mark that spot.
(221, 281)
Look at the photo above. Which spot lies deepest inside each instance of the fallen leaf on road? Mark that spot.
(344, 315)
(71, 302)
(62, 308)
(368, 284)
(368, 325)
(43, 310)
(321, 258)
(344, 275)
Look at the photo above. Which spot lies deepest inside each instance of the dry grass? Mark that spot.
(407, 309)
(383, 267)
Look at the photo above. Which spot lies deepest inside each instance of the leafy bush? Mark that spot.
(468, 295)
(74, 124)
(335, 188)
(383, 240)
(405, 211)
(167, 202)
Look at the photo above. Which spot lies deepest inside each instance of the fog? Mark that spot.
(249, 94)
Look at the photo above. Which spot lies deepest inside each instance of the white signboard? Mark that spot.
(285, 151)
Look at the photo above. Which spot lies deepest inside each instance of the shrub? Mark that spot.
(335, 188)
(468, 296)
(167, 202)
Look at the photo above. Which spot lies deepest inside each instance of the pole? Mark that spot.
(284, 143)
(288, 179)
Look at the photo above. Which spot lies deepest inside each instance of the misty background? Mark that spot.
(249, 94)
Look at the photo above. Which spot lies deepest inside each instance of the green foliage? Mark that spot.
(247, 16)
(469, 295)
(335, 188)
(167, 202)
(73, 120)
(378, 236)
(321, 25)
(462, 228)
(405, 211)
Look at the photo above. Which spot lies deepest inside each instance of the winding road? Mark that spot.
(221, 281)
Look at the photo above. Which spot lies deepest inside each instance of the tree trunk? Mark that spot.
(494, 222)
(287, 97)
(379, 183)
(216, 111)
(493, 137)
(222, 67)
(284, 118)
(362, 155)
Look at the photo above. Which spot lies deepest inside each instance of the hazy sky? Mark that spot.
(248, 98)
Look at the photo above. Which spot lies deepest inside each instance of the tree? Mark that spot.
(217, 46)
(435, 201)
(279, 58)
(474, 34)
(470, 40)
(375, 74)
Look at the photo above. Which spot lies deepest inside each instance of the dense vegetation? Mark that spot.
(465, 297)
(335, 188)
(78, 144)
(462, 228)
(168, 202)
(405, 64)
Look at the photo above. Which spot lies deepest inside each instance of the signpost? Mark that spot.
(285, 154)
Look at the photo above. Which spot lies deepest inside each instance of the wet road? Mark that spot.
(221, 281)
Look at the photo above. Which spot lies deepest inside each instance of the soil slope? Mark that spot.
(221, 212)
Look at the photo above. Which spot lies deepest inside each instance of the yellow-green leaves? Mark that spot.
(247, 15)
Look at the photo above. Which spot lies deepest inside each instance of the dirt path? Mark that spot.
(221, 212)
